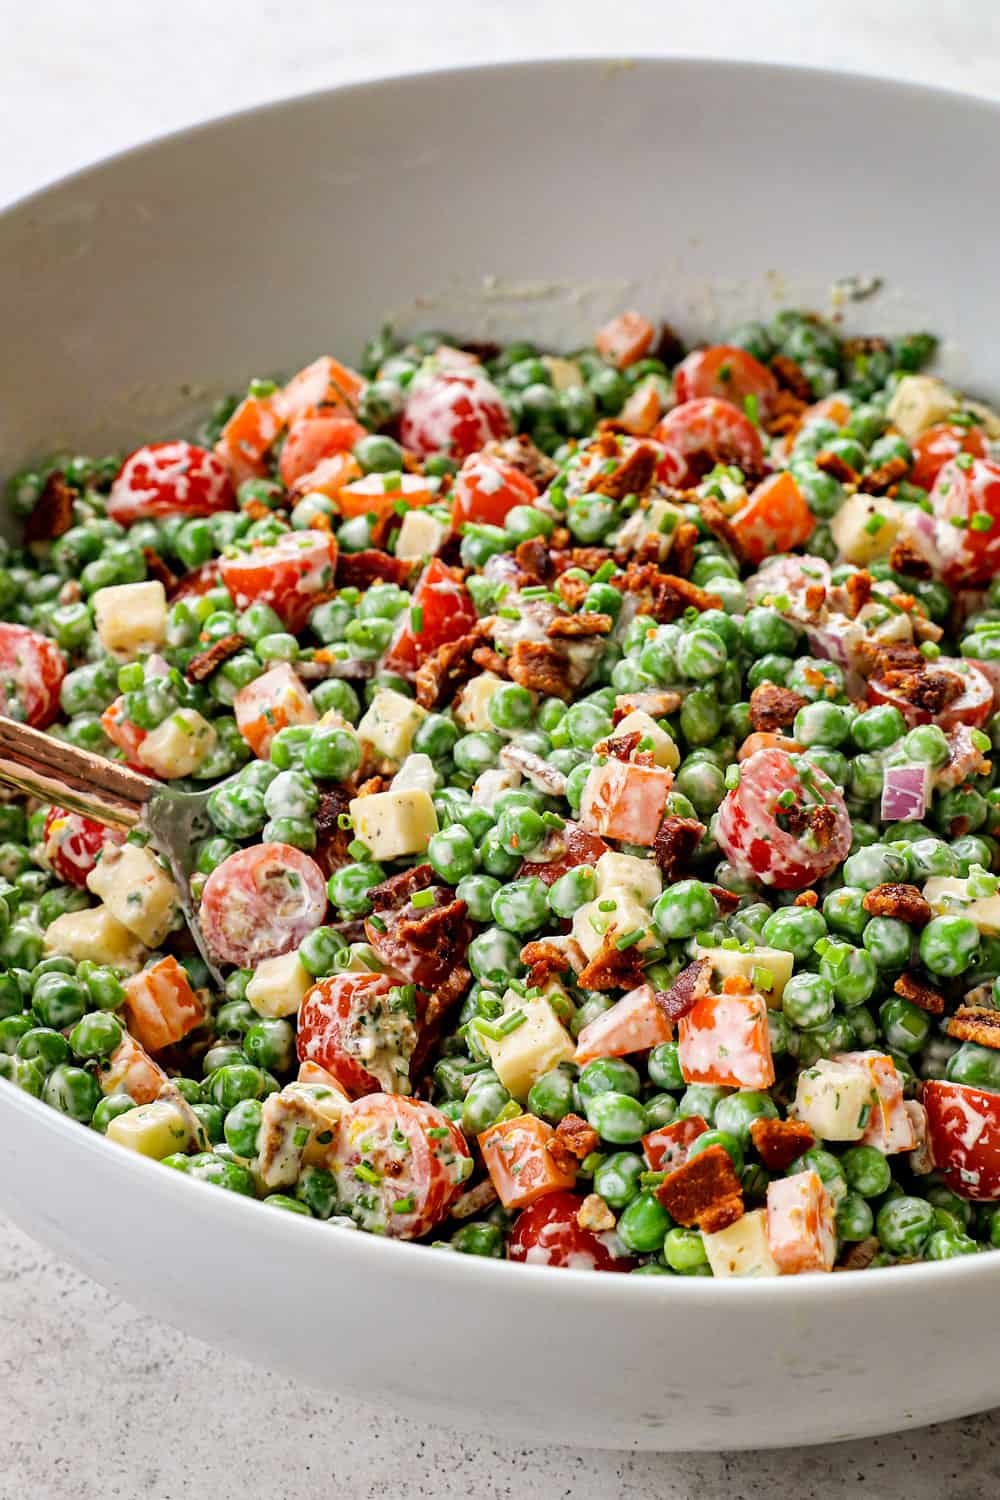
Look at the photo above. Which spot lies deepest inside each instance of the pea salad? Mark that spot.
(604, 808)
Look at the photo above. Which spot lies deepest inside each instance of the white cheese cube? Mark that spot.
(472, 709)
(137, 890)
(594, 921)
(421, 535)
(835, 1100)
(663, 749)
(538, 1044)
(394, 823)
(639, 876)
(949, 893)
(95, 934)
(741, 1249)
(865, 527)
(390, 724)
(179, 745)
(767, 969)
(918, 402)
(290, 1123)
(416, 771)
(564, 373)
(490, 783)
(278, 985)
(131, 617)
(155, 1130)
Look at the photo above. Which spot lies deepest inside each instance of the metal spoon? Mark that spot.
(111, 794)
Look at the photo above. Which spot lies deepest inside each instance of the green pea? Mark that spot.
(49, 1047)
(736, 1113)
(927, 744)
(878, 728)
(660, 1110)
(616, 1179)
(521, 830)
(702, 1099)
(851, 971)
(551, 1096)
(477, 752)
(522, 905)
(866, 1171)
(826, 1166)
(484, 1103)
(104, 989)
(971, 1064)
(948, 945)
(494, 956)
(795, 930)
(477, 891)
(684, 1251)
(232, 1020)
(854, 1218)
(59, 1000)
(237, 811)
(270, 1044)
(685, 908)
(235, 1082)
(12, 1029)
(317, 1189)
(644, 1224)
(904, 1225)
(72, 1091)
(608, 1075)
(663, 1067)
(729, 1143)
(108, 1109)
(207, 1166)
(616, 1117)
(888, 941)
(96, 1035)
(436, 736)
(844, 912)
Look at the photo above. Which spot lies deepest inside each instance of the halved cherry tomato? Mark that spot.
(633, 1024)
(570, 845)
(380, 494)
(73, 843)
(765, 739)
(160, 1005)
(311, 439)
(170, 479)
(31, 672)
(452, 412)
(549, 1234)
(724, 371)
(325, 386)
(966, 502)
(707, 432)
(972, 707)
(625, 339)
(442, 610)
(290, 575)
(775, 518)
(349, 1025)
(487, 489)
(271, 702)
(939, 445)
(759, 835)
(261, 902)
(329, 476)
(247, 436)
(521, 1168)
(399, 1164)
(963, 1131)
(830, 409)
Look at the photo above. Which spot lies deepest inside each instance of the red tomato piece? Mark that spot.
(290, 575)
(311, 439)
(707, 432)
(442, 610)
(729, 373)
(966, 501)
(271, 702)
(454, 412)
(775, 518)
(73, 842)
(329, 476)
(399, 1164)
(197, 582)
(633, 1024)
(261, 902)
(520, 1167)
(31, 672)
(801, 1229)
(325, 386)
(724, 1039)
(625, 339)
(571, 845)
(121, 731)
(248, 436)
(667, 1147)
(170, 479)
(625, 801)
(972, 707)
(939, 445)
(379, 494)
(963, 1130)
(348, 1025)
(487, 489)
(160, 1005)
(548, 1234)
(760, 836)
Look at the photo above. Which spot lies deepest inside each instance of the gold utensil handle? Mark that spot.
(48, 768)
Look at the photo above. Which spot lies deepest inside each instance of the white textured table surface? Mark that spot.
(98, 1402)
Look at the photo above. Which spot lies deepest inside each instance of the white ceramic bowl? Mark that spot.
(518, 200)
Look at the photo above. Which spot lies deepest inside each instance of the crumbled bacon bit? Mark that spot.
(490, 660)
(688, 988)
(475, 1201)
(52, 513)
(358, 570)
(726, 901)
(399, 889)
(675, 843)
(331, 840)
(547, 957)
(685, 539)
(447, 669)
(534, 558)
(970, 1023)
(785, 414)
(806, 898)
(930, 690)
(665, 596)
(205, 663)
(904, 558)
(435, 938)
(884, 477)
(574, 1139)
(779, 1142)
(158, 570)
(521, 454)
(817, 819)
(773, 707)
(736, 984)
(620, 747)
(572, 591)
(860, 1256)
(859, 591)
(894, 656)
(899, 900)
(922, 995)
(792, 377)
(611, 968)
(540, 667)
(594, 1214)
(653, 701)
(720, 526)
(965, 759)
(632, 477)
(588, 622)
(705, 1192)
(838, 468)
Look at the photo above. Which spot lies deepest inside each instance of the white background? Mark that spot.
(96, 1401)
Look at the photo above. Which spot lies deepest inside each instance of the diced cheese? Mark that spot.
(989, 419)
(472, 709)
(591, 923)
(390, 724)
(491, 782)
(564, 373)
(641, 877)
(137, 890)
(290, 1123)
(131, 617)
(767, 969)
(394, 823)
(538, 1044)
(416, 771)
(155, 1130)
(835, 1100)
(742, 1248)
(278, 985)
(948, 893)
(664, 751)
(865, 528)
(95, 934)
(179, 745)
(918, 402)
(421, 535)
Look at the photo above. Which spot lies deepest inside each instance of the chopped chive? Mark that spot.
(421, 899)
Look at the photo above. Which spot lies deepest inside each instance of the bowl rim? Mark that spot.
(355, 1249)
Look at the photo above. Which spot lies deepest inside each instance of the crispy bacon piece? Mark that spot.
(779, 1142)
(158, 570)
(540, 667)
(773, 707)
(726, 901)
(665, 596)
(572, 591)
(884, 477)
(52, 513)
(785, 414)
(687, 989)
(817, 819)
(611, 968)
(930, 690)
(860, 1256)
(675, 843)
(373, 785)
(358, 570)
(447, 669)
(791, 376)
(573, 1140)
(588, 622)
(893, 656)
(904, 558)
(705, 1192)
(720, 526)
(545, 959)
(859, 591)
(587, 558)
(837, 467)
(924, 996)
(594, 1214)
(521, 454)
(965, 759)
(205, 663)
(620, 746)
(399, 889)
(425, 944)
(534, 558)
(899, 900)
(332, 840)
(682, 547)
(196, 583)
(974, 1023)
(633, 476)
